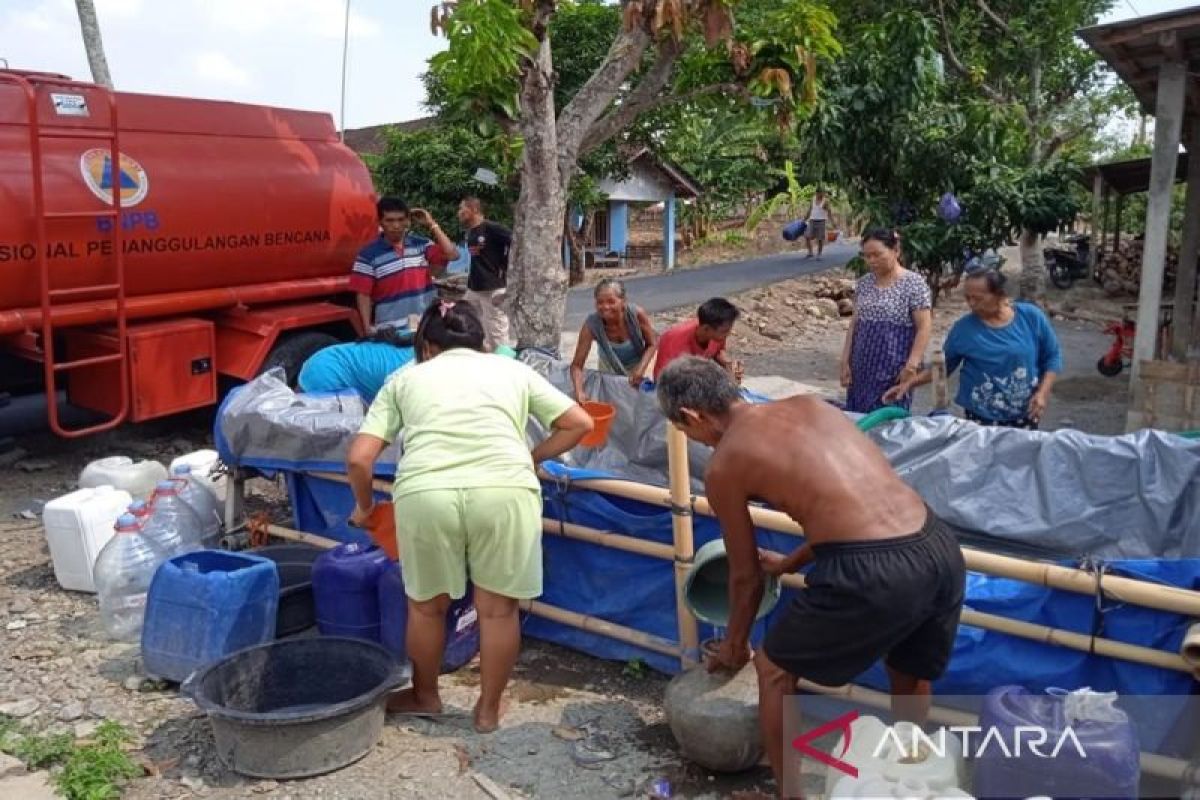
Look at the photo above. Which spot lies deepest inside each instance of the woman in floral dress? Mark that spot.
(890, 329)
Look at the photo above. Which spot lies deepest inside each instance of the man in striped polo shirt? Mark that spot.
(393, 275)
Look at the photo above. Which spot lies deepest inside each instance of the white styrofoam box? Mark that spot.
(77, 526)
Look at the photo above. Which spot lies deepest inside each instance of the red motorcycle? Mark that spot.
(1120, 354)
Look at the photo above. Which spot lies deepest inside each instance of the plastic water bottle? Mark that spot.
(122, 575)
(173, 525)
(203, 502)
(141, 511)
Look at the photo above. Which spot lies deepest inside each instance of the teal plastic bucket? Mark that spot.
(706, 588)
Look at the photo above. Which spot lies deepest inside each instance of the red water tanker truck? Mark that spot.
(151, 245)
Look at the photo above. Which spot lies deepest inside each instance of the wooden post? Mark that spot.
(1117, 224)
(1185, 275)
(1169, 108)
(681, 529)
(1097, 220)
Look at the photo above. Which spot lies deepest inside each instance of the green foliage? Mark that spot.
(636, 669)
(94, 771)
(90, 769)
(479, 70)
(794, 199)
(433, 168)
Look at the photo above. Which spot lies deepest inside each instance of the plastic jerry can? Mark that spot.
(900, 752)
(122, 472)
(876, 787)
(462, 622)
(172, 523)
(346, 590)
(78, 525)
(1090, 748)
(200, 499)
(202, 463)
(203, 606)
(123, 573)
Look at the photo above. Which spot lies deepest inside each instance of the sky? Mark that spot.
(274, 52)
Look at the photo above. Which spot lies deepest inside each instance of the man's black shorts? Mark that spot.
(895, 598)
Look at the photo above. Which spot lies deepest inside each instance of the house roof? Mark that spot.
(1131, 176)
(1136, 48)
(372, 140)
(684, 184)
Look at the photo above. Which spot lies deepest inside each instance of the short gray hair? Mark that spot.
(617, 286)
(696, 383)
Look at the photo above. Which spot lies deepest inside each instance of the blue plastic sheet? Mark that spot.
(638, 591)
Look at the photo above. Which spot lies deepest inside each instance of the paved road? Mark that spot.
(693, 286)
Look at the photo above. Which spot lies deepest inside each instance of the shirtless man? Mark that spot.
(887, 579)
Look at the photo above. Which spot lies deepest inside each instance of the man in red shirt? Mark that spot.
(704, 337)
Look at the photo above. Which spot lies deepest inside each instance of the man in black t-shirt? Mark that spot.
(488, 243)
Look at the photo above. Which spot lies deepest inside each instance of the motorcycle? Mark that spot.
(1068, 264)
(1123, 331)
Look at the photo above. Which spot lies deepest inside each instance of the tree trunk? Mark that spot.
(537, 281)
(577, 240)
(1033, 268)
(92, 42)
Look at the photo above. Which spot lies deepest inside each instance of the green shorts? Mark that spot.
(492, 536)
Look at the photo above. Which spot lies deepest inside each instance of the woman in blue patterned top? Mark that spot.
(890, 328)
(1009, 355)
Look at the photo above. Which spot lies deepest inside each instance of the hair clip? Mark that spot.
(445, 305)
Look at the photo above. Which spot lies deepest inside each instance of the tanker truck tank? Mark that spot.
(244, 218)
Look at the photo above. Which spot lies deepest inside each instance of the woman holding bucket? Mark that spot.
(469, 505)
(622, 332)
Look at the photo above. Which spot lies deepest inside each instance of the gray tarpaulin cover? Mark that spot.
(1064, 494)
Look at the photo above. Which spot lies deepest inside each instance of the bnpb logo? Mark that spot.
(130, 179)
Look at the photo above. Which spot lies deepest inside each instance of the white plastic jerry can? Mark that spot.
(202, 463)
(77, 526)
(899, 753)
(138, 478)
(876, 787)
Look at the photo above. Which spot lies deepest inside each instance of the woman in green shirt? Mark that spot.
(467, 498)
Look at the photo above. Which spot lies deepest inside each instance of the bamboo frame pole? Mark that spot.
(682, 534)
(1026, 630)
(584, 622)
(301, 537)
(1151, 763)
(1054, 576)
(1056, 636)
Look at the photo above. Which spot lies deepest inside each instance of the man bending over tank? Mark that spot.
(887, 578)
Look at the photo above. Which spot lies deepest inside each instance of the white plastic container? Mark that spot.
(900, 754)
(122, 472)
(874, 787)
(202, 464)
(78, 525)
(201, 500)
(173, 526)
(123, 573)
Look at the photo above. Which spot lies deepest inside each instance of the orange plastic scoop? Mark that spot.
(381, 525)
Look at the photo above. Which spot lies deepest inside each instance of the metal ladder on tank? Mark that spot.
(51, 299)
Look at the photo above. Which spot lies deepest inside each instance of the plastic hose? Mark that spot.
(880, 416)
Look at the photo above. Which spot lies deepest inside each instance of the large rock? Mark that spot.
(714, 718)
(34, 786)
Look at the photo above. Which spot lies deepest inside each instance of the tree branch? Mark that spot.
(601, 89)
(648, 94)
(995, 18)
(952, 57)
(620, 118)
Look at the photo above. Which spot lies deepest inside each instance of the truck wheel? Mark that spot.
(291, 351)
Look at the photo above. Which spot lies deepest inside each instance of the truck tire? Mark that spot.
(292, 350)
